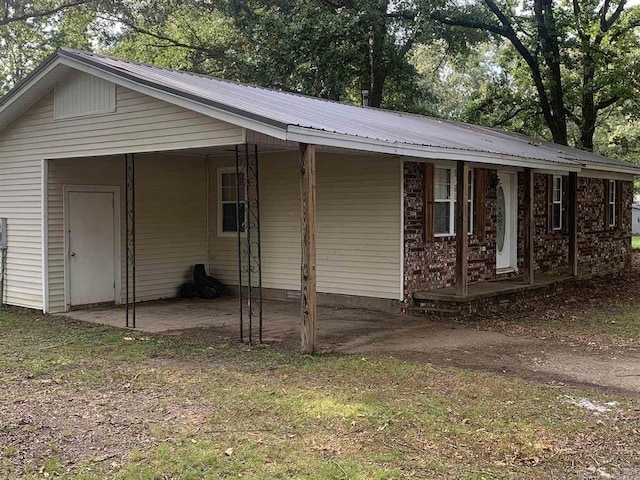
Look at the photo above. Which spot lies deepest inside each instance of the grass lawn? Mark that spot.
(89, 402)
(635, 241)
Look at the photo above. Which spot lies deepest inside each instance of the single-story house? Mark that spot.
(117, 176)
(635, 219)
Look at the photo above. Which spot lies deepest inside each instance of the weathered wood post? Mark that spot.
(462, 227)
(308, 261)
(529, 228)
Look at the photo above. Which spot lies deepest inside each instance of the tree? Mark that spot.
(29, 31)
(582, 55)
(328, 48)
(19, 11)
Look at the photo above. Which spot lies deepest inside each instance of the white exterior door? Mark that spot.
(506, 223)
(91, 247)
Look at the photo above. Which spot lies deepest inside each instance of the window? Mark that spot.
(227, 194)
(470, 204)
(556, 217)
(444, 201)
(611, 203)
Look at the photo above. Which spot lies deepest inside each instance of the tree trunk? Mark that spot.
(376, 59)
(589, 112)
(546, 26)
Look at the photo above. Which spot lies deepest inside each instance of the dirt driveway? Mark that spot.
(543, 341)
(538, 358)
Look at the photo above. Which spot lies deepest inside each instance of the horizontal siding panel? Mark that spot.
(140, 123)
(358, 225)
(170, 219)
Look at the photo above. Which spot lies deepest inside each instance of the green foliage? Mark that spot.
(569, 63)
(24, 44)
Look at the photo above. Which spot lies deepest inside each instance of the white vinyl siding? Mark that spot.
(139, 124)
(358, 225)
(83, 94)
(170, 219)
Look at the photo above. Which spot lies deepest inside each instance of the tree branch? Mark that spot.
(172, 41)
(607, 103)
(6, 19)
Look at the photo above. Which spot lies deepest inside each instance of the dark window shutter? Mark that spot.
(428, 179)
(480, 187)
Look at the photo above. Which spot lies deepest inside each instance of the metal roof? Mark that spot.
(297, 117)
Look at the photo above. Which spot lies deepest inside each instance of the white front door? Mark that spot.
(506, 222)
(91, 247)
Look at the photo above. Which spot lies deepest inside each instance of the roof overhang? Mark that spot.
(307, 135)
(59, 65)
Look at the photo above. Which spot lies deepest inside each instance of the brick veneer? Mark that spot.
(431, 264)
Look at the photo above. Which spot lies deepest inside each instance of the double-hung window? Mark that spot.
(444, 200)
(611, 203)
(228, 205)
(556, 216)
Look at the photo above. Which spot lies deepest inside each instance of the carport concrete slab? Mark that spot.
(349, 329)
(280, 318)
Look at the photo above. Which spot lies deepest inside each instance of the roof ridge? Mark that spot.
(223, 80)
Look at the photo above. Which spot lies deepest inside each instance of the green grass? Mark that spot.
(191, 408)
(635, 242)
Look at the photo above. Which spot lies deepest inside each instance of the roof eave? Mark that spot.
(308, 135)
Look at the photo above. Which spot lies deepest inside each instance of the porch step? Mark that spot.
(419, 311)
(486, 296)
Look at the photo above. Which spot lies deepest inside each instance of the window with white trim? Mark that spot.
(611, 203)
(444, 200)
(556, 216)
(228, 206)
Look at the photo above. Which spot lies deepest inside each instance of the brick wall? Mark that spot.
(603, 249)
(430, 264)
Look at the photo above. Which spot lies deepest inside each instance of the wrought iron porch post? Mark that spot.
(130, 250)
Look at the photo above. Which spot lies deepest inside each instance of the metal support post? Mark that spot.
(130, 250)
(249, 250)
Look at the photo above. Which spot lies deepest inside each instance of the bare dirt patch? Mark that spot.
(48, 427)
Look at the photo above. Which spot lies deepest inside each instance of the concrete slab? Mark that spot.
(280, 318)
(352, 330)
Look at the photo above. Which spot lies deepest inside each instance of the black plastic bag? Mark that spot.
(208, 286)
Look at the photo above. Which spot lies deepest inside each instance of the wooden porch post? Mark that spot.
(462, 227)
(529, 228)
(572, 217)
(308, 263)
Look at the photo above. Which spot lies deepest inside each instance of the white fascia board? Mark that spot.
(606, 175)
(592, 170)
(310, 136)
(168, 97)
(28, 93)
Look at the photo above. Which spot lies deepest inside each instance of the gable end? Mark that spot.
(81, 95)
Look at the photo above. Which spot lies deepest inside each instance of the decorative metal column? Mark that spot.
(249, 250)
(130, 250)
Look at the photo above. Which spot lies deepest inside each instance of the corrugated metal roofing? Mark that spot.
(283, 110)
